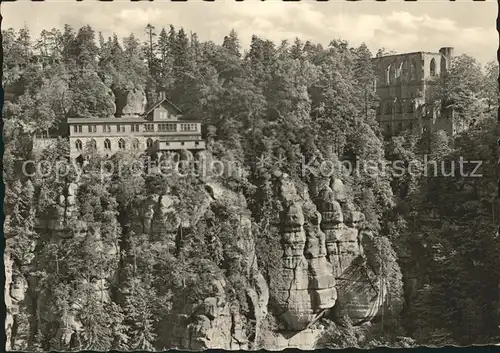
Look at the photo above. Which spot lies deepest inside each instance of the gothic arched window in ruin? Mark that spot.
(400, 70)
(433, 67)
(413, 70)
(135, 144)
(405, 71)
(388, 75)
(393, 73)
(121, 144)
(107, 144)
(78, 145)
(93, 144)
(149, 143)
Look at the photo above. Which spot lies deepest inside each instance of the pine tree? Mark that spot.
(232, 43)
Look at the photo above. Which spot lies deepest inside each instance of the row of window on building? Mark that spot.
(121, 144)
(107, 144)
(406, 70)
(399, 108)
(162, 127)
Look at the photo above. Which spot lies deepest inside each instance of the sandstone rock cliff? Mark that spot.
(328, 263)
(130, 102)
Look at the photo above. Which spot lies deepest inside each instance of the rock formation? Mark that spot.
(309, 285)
(216, 322)
(212, 323)
(360, 293)
(112, 101)
(68, 322)
(130, 102)
(15, 293)
(329, 261)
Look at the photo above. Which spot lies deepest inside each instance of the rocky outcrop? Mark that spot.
(308, 286)
(329, 262)
(68, 321)
(17, 300)
(217, 322)
(130, 102)
(111, 101)
(15, 294)
(305, 340)
(211, 324)
(324, 267)
(360, 291)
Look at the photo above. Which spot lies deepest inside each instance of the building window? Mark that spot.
(135, 144)
(106, 128)
(120, 128)
(398, 108)
(149, 143)
(167, 127)
(41, 135)
(410, 125)
(135, 127)
(399, 72)
(77, 128)
(196, 143)
(392, 73)
(121, 144)
(93, 144)
(182, 143)
(404, 72)
(92, 128)
(107, 144)
(378, 109)
(188, 127)
(78, 145)
(400, 126)
(388, 75)
(164, 115)
(413, 70)
(433, 67)
(149, 127)
(388, 108)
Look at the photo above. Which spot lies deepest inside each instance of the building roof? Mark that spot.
(124, 120)
(130, 119)
(113, 120)
(162, 101)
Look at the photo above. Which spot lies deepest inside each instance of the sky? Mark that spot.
(423, 25)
